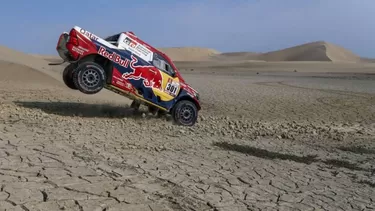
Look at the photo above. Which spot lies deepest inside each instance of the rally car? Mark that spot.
(125, 64)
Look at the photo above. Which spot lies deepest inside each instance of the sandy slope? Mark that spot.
(315, 51)
(189, 53)
(236, 56)
(16, 57)
(268, 141)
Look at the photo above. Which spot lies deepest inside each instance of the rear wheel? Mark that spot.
(89, 77)
(68, 76)
(185, 113)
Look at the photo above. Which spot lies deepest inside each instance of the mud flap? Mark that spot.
(60, 63)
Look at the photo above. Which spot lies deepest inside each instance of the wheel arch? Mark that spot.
(105, 63)
(189, 98)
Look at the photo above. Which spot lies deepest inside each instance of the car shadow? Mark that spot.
(265, 154)
(357, 150)
(87, 110)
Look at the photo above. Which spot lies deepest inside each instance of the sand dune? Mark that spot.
(236, 56)
(17, 73)
(189, 53)
(8, 55)
(314, 51)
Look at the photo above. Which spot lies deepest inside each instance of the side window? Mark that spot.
(162, 64)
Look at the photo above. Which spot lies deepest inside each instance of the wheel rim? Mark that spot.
(90, 78)
(186, 114)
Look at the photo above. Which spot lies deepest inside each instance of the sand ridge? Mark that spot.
(16, 57)
(314, 51)
(189, 53)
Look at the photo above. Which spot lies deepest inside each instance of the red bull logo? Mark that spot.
(151, 76)
(113, 57)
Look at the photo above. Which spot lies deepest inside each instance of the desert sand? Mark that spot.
(314, 51)
(295, 134)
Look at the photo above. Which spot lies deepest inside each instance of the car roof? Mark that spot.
(165, 56)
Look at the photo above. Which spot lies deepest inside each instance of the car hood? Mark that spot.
(190, 90)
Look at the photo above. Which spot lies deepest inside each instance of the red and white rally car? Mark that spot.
(125, 64)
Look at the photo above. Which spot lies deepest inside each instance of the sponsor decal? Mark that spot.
(113, 57)
(130, 42)
(79, 50)
(142, 50)
(136, 47)
(172, 87)
(122, 83)
(89, 34)
(150, 75)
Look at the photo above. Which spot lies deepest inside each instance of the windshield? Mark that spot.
(113, 38)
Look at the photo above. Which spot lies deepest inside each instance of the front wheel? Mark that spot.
(185, 113)
(89, 77)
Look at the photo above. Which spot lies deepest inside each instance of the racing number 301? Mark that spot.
(172, 88)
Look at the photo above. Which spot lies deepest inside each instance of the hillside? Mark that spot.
(314, 51)
(189, 53)
(236, 56)
(11, 58)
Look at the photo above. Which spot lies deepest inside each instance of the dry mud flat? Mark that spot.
(263, 142)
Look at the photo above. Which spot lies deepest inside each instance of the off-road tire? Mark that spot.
(89, 77)
(68, 76)
(180, 110)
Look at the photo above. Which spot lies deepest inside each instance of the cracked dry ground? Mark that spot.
(264, 144)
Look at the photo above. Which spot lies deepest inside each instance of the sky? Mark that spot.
(225, 25)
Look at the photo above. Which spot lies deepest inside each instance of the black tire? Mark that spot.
(185, 113)
(68, 76)
(89, 78)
